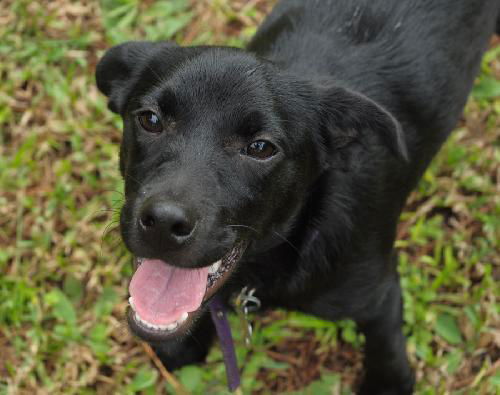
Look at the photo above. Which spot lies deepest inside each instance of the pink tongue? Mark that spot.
(162, 293)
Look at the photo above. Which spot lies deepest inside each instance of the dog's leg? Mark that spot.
(193, 348)
(387, 370)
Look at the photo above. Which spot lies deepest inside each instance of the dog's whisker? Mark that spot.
(110, 227)
(106, 210)
(113, 191)
(287, 241)
(158, 77)
(244, 226)
(128, 175)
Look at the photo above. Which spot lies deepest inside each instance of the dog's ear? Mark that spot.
(346, 117)
(116, 70)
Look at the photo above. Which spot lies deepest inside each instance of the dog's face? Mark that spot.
(218, 153)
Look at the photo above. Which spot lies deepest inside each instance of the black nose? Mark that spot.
(165, 222)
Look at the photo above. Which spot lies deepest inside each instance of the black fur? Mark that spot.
(357, 96)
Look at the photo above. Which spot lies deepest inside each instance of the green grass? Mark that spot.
(64, 272)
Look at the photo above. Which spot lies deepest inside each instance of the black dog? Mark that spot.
(285, 167)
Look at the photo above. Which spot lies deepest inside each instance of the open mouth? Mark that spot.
(164, 300)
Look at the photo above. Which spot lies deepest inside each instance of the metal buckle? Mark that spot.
(246, 302)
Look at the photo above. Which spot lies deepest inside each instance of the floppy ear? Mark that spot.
(115, 72)
(346, 116)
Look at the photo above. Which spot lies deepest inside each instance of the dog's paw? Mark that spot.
(398, 386)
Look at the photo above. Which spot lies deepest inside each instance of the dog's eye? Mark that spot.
(150, 122)
(260, 149)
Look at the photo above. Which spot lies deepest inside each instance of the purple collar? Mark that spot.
(218, 311)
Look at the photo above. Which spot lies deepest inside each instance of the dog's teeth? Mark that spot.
(213, 269)
(183, 318)
(131, 302)
(169, 327)
(144, 322)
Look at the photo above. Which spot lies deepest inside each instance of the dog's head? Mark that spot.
(220, 149)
